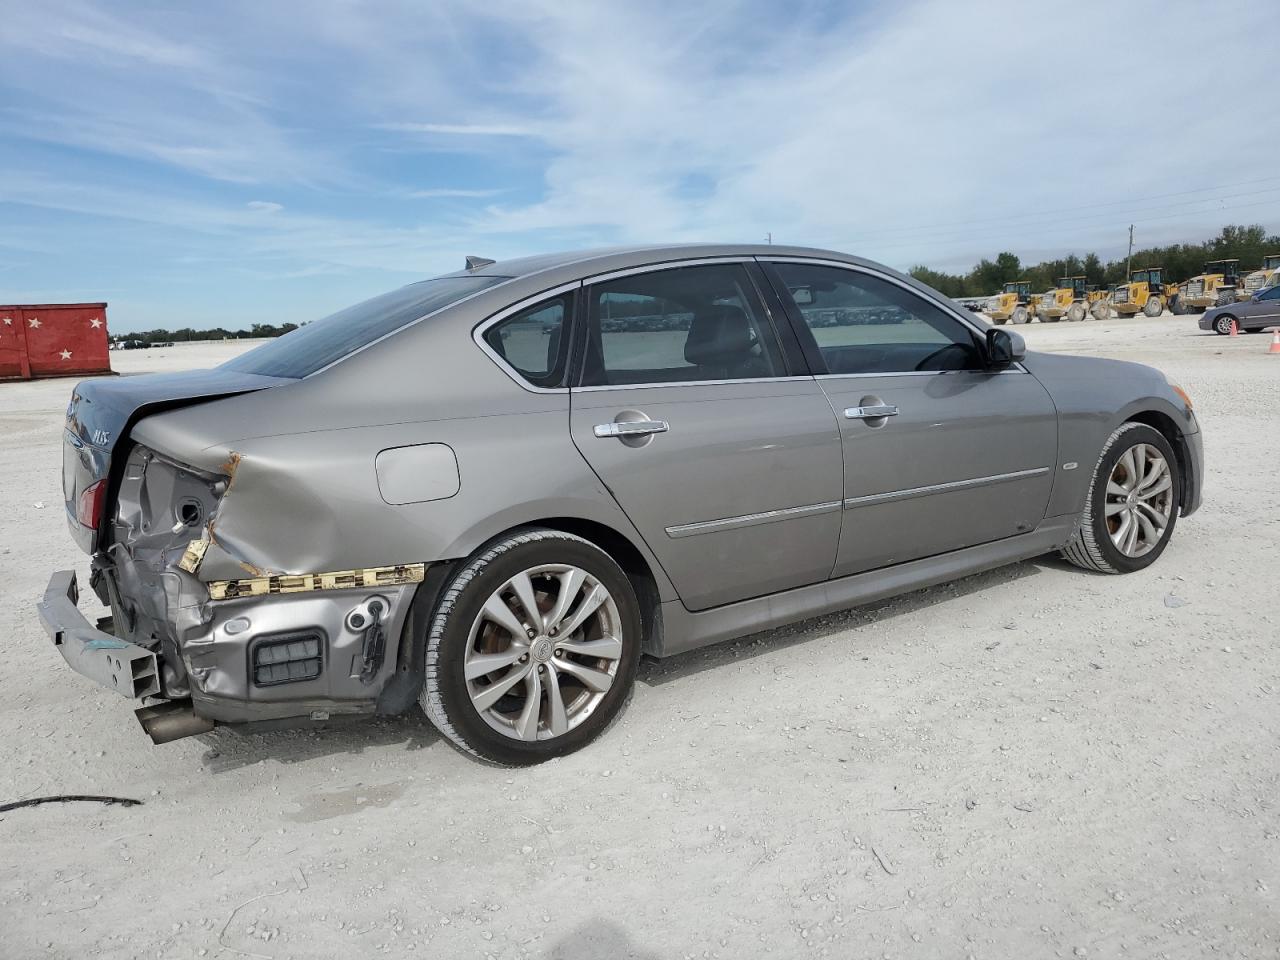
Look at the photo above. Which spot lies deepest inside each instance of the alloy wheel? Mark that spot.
(543, 652)
(1139, 500)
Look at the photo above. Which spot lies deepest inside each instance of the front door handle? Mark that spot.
(872, 411)
(630, 428)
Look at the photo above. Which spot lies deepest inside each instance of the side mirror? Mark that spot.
(1004, 347)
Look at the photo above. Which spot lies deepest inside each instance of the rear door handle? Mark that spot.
(872, 412)
(630, 428)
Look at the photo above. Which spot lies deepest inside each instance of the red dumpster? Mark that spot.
(53, 340)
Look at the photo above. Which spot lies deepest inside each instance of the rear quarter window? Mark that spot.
(315, 345)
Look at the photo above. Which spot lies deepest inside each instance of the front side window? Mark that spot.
(679, 325)
(532, 342)
(1271, 294)
(863, 324)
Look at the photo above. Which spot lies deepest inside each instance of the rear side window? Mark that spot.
(316, 345)
(533, 342)
(679, 325)
(864, 324)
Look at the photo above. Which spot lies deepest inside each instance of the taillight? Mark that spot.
(89, 507)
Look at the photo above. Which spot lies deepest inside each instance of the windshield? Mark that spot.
(313, 346)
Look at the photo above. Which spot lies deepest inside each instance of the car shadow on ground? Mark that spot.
(598, 938)
(227, 750)
(655, 672)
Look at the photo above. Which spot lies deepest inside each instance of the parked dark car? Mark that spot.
(1260, 311)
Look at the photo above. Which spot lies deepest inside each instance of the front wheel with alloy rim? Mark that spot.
(533, 648)
(1132, 503)
(1223, 324)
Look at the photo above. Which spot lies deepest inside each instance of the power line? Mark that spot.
(1050, 225)
(1086, 206)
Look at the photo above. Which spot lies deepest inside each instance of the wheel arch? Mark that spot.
(630, 558)
(1167, 427)
(402, 690)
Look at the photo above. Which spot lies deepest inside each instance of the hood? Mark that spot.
(102, 412)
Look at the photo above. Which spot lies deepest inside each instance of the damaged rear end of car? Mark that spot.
(235, 596)
(236, 644)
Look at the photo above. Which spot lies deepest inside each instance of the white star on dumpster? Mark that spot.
(35, 322)
(65, 354)
(8, 321)
(95, 323)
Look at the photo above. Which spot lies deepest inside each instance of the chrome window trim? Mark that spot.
(909, 493)
(689, 383)
(478, 332)
(750, 519)
(979, 330)
(1012, 368)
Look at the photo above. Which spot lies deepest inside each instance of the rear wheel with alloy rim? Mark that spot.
(1132, 503)
(533, 648)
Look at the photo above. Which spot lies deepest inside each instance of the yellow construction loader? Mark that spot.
(1013, 303)
(1267, 275)
(1099, 299)
(1068, 299)
(1146, 291)
(1214, 287)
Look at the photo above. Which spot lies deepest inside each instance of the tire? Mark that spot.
(1020, 316)
(999, 321)
(1179, 308)
(1091, 546)
(462, 626)
(1048, 319)
(1153, 307)
(1076, 312)
(1225, 297)
(1101, 311)
(1222, 324)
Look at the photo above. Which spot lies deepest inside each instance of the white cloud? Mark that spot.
(451, 192)
(264, 206)
(461, 129)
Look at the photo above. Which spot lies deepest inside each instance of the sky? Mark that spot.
(233, 163)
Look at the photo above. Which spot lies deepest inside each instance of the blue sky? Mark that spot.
(232, 163)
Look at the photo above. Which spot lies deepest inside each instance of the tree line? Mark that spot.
(1248, 244)
(184, 334)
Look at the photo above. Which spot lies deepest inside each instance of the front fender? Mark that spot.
(1094, 397)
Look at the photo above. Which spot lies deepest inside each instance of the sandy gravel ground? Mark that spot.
(1034, 762)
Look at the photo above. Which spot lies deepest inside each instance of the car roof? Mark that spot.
(612, 258)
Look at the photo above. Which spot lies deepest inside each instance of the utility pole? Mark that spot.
(768, 238)
(1128, 264)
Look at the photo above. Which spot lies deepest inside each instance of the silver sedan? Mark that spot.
(1260, 311)
(491, 492)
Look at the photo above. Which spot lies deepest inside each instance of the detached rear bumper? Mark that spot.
(127, 668)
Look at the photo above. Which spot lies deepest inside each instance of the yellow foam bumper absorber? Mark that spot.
(308, 582)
